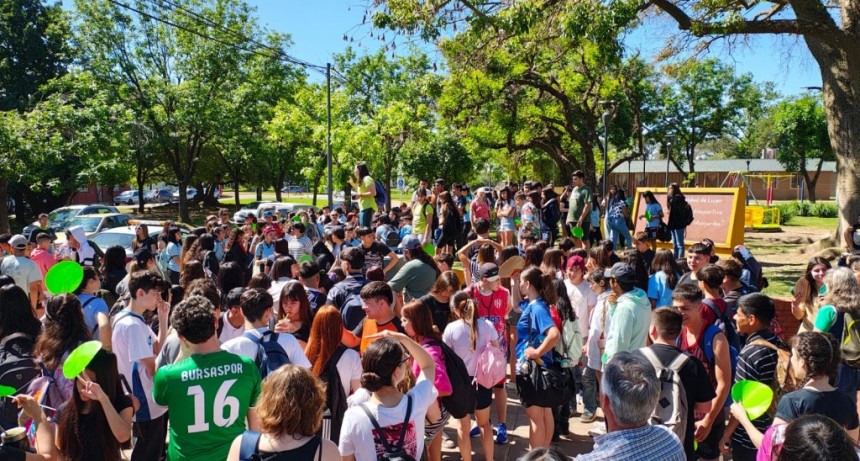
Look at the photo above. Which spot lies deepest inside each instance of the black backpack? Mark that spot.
(17, 370)
(392, 237)
(335, 398)
(270, 354)
(351, 311)
(688, 213)
(392, 453)
(463, 400)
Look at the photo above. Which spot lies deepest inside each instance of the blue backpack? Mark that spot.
(381, 197)
(708, 349)
(270, 354)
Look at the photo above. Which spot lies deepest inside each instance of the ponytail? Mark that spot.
(542, 282)
(465, 309)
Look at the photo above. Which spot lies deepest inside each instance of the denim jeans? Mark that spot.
(617, 228)
(365, 217)
(678, 242)
(589, 390)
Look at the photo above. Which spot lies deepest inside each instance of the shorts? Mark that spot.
(431, 429)
(485, 397)
(507, 225)
(651, 232)
(710, 447)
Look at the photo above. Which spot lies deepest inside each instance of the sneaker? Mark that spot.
(587, 417)
(475, 432)
(448, 442)
(502, 434)
(597, 429)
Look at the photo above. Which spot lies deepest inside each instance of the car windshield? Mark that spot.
(252, 206)
(59, 218)
(90, 224)
(106, 240)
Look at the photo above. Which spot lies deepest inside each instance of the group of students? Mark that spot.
(361, 349)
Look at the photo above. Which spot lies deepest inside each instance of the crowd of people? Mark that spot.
(360, 333)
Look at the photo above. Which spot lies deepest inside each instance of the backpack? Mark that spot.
(570, 346)
(163, 259)
(381, 197)
(708, 349)
(396, 452)
(17, 370)
(784, 380)
(210, 265)
(50, 389)
(725, 324)
(351, 310)
(249, 447)
(270, 354)
(335, 398)
(688, 213)
(850, 348)
(463, 399)
(491, 366)
(392, 237)
(672, 408)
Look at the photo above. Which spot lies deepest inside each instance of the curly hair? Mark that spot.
(819, 352)
(194, 319)
(291, 402)
(64, 329)
(843, 291)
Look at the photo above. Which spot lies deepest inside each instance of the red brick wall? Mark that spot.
(787, 321)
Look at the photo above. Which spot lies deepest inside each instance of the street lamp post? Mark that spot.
(668, 157)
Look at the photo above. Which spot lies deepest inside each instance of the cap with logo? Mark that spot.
(410, 242)
(489, 271)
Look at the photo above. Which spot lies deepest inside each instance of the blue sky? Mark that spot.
(318, 27)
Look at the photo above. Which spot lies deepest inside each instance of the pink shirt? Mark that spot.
(441, 381)
(44, 261)
(480, 210)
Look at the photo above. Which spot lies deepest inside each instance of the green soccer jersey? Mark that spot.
(207, 397)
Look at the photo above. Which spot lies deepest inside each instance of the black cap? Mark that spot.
(622, 273)
(489, 271)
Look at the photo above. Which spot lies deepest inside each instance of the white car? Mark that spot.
(123, 236)
(251, 208)
(190, 193)
(129, 197)
(59, 218)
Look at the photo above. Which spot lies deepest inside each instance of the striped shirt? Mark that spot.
(645, 443)
(757, 363)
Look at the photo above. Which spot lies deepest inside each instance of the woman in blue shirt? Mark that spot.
(537, 335)
(665, 274)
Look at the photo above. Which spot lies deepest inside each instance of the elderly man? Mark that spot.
(629, 392)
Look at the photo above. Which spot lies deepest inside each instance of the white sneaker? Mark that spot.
(598, 429)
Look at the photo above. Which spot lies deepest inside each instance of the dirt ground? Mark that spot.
(784, 255)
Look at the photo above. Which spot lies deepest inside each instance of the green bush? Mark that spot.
(802, 208)
(786, 212)
(824, 210)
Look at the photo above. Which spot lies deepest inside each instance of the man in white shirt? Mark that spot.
(136, 346)
(257, 308)
(24, 271)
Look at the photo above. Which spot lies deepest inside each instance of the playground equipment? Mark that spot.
(734, 178)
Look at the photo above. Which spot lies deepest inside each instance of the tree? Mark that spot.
(829, 29)
(176, 68)
(705, 101)
(443, 156)
(801, 136)
(34, 48)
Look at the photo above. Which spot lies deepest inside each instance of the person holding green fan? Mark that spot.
(96, 421)
(653, 216)
(580, 205)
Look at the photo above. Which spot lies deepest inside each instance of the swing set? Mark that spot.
(758, 217)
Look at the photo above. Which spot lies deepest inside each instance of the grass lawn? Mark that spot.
(813, 222)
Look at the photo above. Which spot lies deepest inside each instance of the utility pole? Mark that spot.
(328, 133)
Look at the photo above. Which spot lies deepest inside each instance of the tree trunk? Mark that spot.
(184, 216)
(4, 199)
(317, 180)
(259, 193)
(236, 192)
(840, 76)
(140, 182)
(278, 193)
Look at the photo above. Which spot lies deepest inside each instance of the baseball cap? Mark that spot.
(622, 273)
(269, 229)
(18, 242)
(575, 262)
(410, 242)
(489, 271)
(268, 213)
(142, 255)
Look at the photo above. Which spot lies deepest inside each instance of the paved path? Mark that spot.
(518, 435)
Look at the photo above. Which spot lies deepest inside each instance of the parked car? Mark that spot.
(190, 193)
(93, 224)
(129, 197)
(59, 218)
(158, 196)
(294, 189)
(123, 236)
(251, 208)
(283, 208)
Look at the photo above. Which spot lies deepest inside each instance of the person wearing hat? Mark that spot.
(23, 270)
(265, 248)
(269, 216)
(417, 277)
(631, 313)
(494, 301)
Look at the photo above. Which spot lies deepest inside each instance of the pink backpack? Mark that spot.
(491, 366)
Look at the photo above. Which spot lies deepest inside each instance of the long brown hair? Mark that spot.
(69, 427)
(64, 329)
(419, 316)
(326, 331)
(295, 291)
(542, 283)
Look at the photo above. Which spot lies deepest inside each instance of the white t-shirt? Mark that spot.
(349, 368)
(359, 438)
(132, 341)
(244, 346)
(228, 332)
(583, 304)
(22, 269)
(458, 336)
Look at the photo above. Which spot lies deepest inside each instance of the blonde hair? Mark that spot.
(291, 402)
